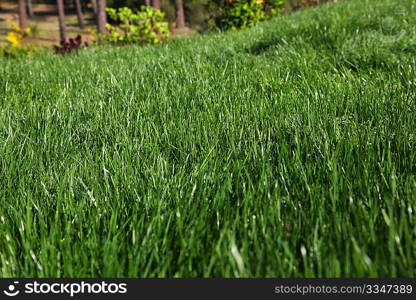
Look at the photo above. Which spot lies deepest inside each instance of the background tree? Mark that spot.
(22, 14)
(61, 18)
(180, 14)
(79, 14)
(94, 6)
(147, 2)
(156, 4)
(29, 8)
(101, 16)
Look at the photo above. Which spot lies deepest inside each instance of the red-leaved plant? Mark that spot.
(70, 45)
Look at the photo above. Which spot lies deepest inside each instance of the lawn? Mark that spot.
(286, 150)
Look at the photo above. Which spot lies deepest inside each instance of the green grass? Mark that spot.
(286, 150)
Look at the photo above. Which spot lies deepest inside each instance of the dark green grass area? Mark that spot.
(284, 150)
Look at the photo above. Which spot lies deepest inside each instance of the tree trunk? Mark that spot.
(79, 14)
(61, 17)
(101, 16)
(180, 14)
(29, 9)
(147, 2)
(156, 4)
(94, 7)
(22, 15)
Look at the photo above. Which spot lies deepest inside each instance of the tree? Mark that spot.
(156, 4)
(180, 14)
(29, 8)
(79, 14)
(94, 6)
(61, 17)
(147, 2)
(101, 16)
(22, 15)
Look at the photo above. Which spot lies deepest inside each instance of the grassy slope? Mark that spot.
(285, 150)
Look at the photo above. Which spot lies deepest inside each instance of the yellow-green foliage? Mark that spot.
(240, 14)
(147, 26)
(15, 41)
(17, 34)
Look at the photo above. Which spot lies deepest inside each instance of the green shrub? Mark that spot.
(147, 26)
(21, 51)
(240, 14)
(274, 7)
